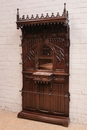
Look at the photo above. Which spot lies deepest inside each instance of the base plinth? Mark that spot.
(44, 118)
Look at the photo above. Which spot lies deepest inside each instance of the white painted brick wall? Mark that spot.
(10, 70)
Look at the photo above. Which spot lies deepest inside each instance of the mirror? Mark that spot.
(44, 58)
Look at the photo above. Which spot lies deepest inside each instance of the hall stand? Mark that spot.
(45, 67)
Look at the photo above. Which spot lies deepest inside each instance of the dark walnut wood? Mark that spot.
(45, 53)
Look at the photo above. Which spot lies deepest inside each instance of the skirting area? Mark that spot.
(9, 121)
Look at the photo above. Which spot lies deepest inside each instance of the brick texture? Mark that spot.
(10, 70)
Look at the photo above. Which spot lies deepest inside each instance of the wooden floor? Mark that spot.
(9, 121)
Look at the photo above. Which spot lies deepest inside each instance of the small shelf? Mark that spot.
(42, 77)
(42, 73)
(53, 72)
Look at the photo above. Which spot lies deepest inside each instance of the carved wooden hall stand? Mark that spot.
(45, 54)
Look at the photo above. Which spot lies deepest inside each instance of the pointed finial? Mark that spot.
(52, 15)
(27, 17)
(64, 11)
(17, 14)
(42, 16)
(64, 6)
(47, 16)
(17, 11)
(17, 17)
(57, 14)
(32, 17)
(37, 16)
(23, 17)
